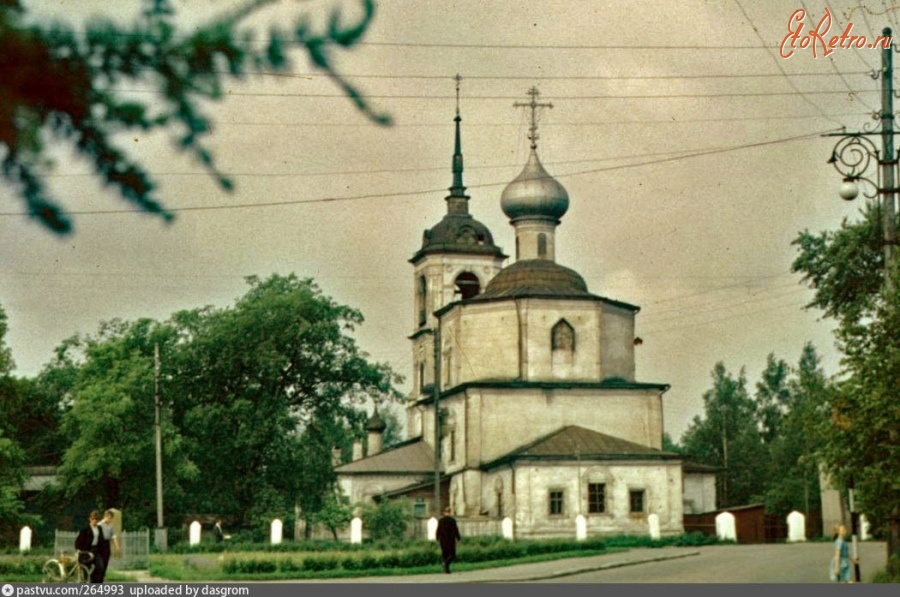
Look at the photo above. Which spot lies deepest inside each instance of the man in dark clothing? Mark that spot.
(217, 530)
(90, 539)
(447, 535)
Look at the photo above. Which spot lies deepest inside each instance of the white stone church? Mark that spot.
(542, 418)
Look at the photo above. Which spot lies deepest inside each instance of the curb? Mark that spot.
(594, 568)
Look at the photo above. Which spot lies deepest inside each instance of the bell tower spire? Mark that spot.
(457, 201)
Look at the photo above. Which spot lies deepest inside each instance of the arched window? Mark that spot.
(542, 245)
(563, 336)
(467, 285)
(421, 292)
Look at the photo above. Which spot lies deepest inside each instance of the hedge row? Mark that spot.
(425, 555)
(16, 567)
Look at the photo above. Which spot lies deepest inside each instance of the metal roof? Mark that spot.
(412, 457)
(575, 442)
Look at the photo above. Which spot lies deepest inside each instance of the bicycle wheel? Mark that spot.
(52, 571)
(81, 574)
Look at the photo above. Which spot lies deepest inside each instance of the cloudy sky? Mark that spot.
(692, 153)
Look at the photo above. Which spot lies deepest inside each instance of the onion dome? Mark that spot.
(534, 194)
(536, 277)
(376, 423)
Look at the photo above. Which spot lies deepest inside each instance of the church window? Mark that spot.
(542, 245)
(563, 336)
(636, 501)
(467, 285)
(421, 292)
(596, 498)
(452, 445)
(557, 500)
(420, 508)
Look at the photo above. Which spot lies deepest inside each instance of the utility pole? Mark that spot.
(160, 529)
(437, 418)
(889, 159)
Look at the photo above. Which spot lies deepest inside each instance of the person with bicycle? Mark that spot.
(90, 540)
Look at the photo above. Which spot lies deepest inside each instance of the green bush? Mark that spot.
(389, 520)
(320, 562)
(418, 557)
(21, 566)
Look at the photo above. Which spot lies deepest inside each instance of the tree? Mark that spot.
(68, 86)
(847, 270)
(388, 520)
(726, 437)
(772, 397)
(12, 458)
(793, 452)
(110, 460)
(12, 478)
(335, 514)
(669, 445)
(261, 388)
(31, 416)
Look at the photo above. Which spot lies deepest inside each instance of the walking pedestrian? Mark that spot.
(88, 541)
(109, 537)
(448, 536)
(840, 562)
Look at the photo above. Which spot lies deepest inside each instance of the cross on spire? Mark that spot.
(458, 79)
(534, 105)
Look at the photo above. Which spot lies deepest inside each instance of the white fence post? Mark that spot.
(580, 528)
(277, 531)
(653, 524)
(796, 527)
(25, 539)
(432, 528)
(356, 530)
(507, 528)
(194, 533)
(725, 529)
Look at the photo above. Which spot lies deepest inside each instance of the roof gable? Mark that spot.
(413, 457)
(573, 441)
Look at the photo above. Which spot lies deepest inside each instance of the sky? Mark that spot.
(693, 154)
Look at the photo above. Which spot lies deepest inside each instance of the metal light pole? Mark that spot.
(853, 156)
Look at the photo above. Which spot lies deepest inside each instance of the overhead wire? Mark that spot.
(430, 191)
(838, 72)
(790, 81)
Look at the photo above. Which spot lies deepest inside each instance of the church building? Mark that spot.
(540, 415)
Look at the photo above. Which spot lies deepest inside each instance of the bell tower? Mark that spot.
(457, 259)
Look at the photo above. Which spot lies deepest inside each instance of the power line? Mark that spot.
(432, 191)
(470, 46)
(369, 172)
(552, 77)
(778, 63)
(835, 68)
(411, 96)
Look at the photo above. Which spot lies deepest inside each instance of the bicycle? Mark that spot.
(66, 569)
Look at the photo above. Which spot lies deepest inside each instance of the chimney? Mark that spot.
(357, 450)
(336, 456)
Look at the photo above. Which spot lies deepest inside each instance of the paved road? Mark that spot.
(773, 563)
